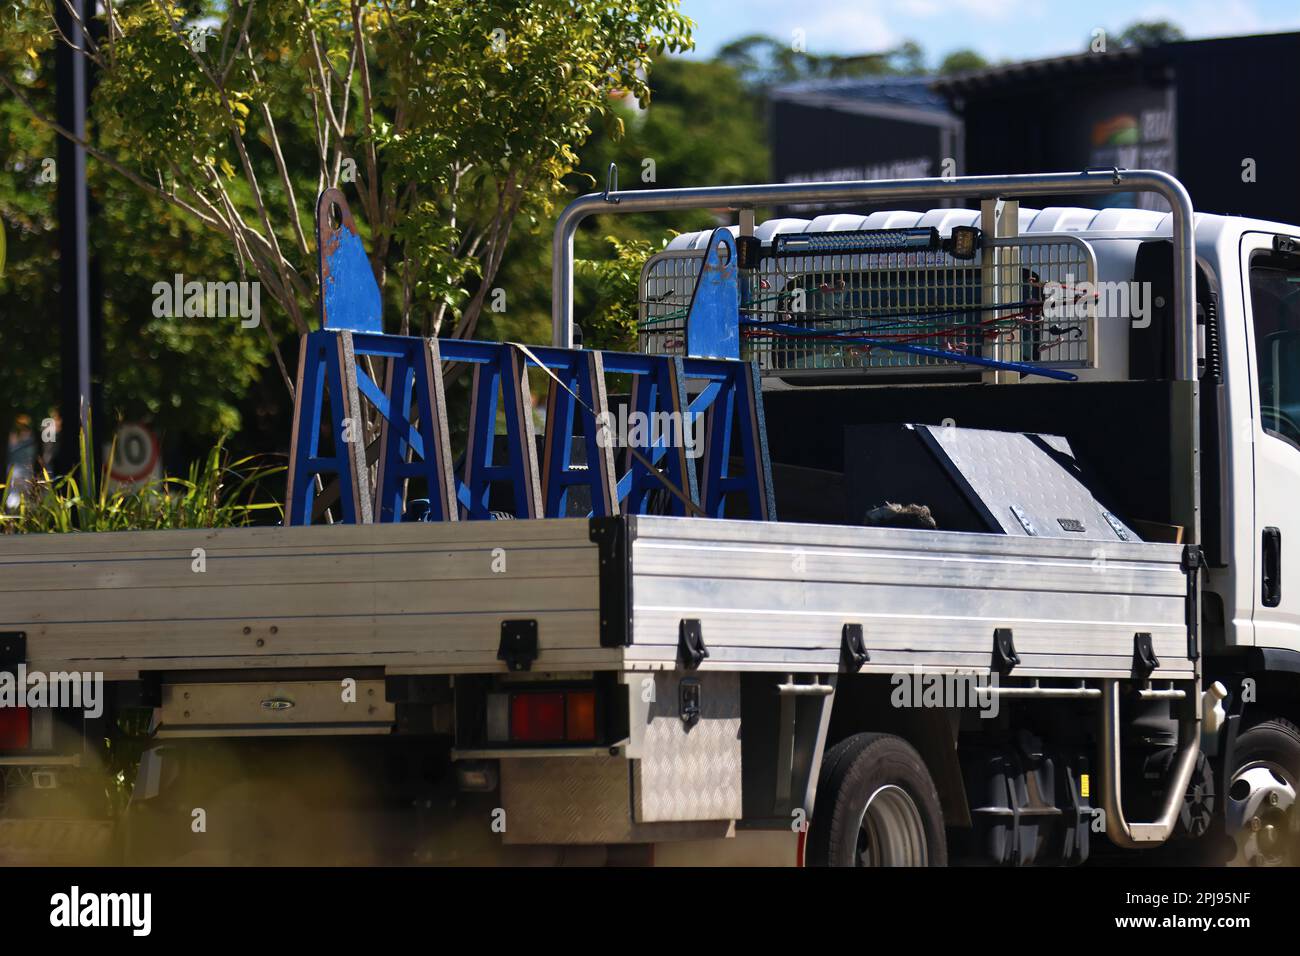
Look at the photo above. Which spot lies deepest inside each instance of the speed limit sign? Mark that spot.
(136, 455)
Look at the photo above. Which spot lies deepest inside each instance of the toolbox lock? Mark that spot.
(690, 643)
(688, 701)
(853, 648)
(1004, 651)
(518, 644)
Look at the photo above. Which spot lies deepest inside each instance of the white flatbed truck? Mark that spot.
(720, 690)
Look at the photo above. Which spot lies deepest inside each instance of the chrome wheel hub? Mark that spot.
(892, 831)
(1261, 815)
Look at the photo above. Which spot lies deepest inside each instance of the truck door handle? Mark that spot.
(1272, 567)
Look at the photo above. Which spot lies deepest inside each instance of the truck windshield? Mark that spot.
(1275, 302)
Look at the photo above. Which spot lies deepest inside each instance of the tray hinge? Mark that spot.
(1004, 651)
(690, 643)
(1144, 656)
(13, 649)
(518, 644)
(853, 647)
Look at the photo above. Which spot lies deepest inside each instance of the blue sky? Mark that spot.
(999, 29)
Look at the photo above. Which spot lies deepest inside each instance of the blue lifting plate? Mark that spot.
(349, 294)
(713, 322)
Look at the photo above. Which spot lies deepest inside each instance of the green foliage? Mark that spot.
(702, 126)
(217, 493)
(611, 308)
(762, 61)
(215, 125)
(187, 377)
(442, 121)
(1144, 33)
(126, 744)
(960, 61)
(495, 98)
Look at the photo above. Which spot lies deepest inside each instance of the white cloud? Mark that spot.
(863, 26)
(981, 9)
(839, 25)
(1202, 19)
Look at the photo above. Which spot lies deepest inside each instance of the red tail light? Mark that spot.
(15, 728)
(537, 718)
(580, 724)
(543, 717)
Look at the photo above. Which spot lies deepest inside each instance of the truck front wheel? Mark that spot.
(1261, 813)
(876, 806)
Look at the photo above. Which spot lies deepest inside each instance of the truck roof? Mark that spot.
(1090, 223)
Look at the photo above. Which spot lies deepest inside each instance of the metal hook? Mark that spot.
(1116, 174)
(611, 183)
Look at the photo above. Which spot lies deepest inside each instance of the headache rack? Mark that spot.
(1027, 299)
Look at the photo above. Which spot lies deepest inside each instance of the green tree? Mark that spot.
(445, 121)
(185, 377)
(763, 61)
(1150, 33)
(217, 122)
(959, 61)
(701, 126)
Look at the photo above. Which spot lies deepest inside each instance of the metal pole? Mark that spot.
(889, 190)
(74, 244)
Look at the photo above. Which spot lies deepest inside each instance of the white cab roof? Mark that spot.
(1095, 223)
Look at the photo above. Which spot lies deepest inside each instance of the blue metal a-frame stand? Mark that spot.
(408, 403)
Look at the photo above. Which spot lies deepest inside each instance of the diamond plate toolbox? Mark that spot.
(677, 778)
(686, 767)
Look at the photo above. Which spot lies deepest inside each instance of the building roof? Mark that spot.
(929, 94)
(910, 97)
(1083, 64)
(1077, 64)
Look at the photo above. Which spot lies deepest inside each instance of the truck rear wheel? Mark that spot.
(1261, 814)
(876, 806)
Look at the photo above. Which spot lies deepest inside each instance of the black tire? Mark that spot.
(871, 767)
(1277, 740)
(1275, 745)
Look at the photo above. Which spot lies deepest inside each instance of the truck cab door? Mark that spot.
(1271, 290)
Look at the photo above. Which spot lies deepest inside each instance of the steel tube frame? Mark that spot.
(1091, 182)
(1119, 829)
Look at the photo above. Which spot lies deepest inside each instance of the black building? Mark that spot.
(876, 128)
(1223, 115)
(1219, 114)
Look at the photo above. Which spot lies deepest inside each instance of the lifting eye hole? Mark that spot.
(335, 217)
(724, 253)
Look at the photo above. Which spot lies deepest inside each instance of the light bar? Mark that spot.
(921, 239)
